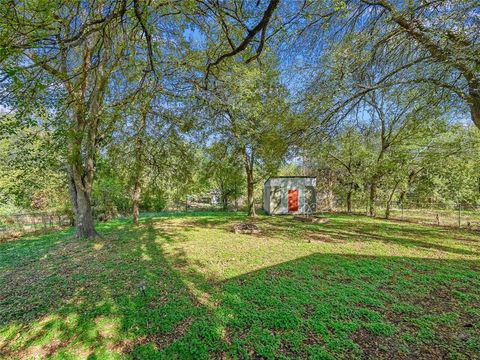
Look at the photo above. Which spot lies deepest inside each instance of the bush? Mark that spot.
(153, 201)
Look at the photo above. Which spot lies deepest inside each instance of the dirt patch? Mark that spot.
(472, 243)
(315, 237)
(280, 273)
(373, 346)
(164, 340)
(314, 339)
(158, 302)
(161, 340)
(36, 351)
(379, 347)
(286, 349)
(245, 228)
(311, 219)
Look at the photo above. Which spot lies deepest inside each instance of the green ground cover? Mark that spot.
(185, 286)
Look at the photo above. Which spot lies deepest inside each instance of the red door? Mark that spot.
(292, 200)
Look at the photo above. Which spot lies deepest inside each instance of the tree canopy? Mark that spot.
(128, 106)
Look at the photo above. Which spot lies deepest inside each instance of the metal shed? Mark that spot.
(290, 195)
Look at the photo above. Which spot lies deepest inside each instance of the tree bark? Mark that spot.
(389, 201)
(249, 161)
(250, 188)
(349, 199)
(372, 197)
(236, 198)
(139, 166)
(223, 195)
(474, 101)
(331, 179)
(137, 191)
(225, 203)
(80, 193)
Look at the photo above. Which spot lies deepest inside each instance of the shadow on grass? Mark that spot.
(68, 297)
(76, 297)
(356, 306)
(364, 229)
(404, 234)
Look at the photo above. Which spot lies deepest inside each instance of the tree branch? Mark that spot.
(260, 27)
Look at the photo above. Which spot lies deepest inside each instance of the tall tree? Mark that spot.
(447, 33)
(412, 43)
(77, 46)
(251, 115)
(223, 170)
(79, 55)
(345, 156)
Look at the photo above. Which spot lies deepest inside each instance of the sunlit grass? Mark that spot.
(185, 286)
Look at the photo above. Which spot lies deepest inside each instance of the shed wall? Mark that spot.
(276, 194)
(266, 199)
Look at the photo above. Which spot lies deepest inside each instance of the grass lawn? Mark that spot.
(184, 286)
(468, 218)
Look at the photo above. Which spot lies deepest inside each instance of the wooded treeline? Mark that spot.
(129, 106)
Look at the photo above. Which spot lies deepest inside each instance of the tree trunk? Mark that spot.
(236, 197)
(225, 203)
(249, 161)
(349, 199)
(474, 102)
(224, 198)
(80, 193)
(250, 200)
(138, 172)
(372, 197)
(223, 195)
(137, 190)
(389, 201)
(329, 181)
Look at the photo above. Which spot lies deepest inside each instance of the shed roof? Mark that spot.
(291, 177)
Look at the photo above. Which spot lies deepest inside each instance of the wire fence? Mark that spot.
(17, 224)
(459, 215)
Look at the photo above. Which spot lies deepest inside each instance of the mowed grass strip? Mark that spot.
(185, 286)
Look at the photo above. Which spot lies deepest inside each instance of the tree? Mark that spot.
(346, 156)
(447, 172)
(449, 40)
(411, 43)
(223, 170)
(31, 174)
(400, 120)
(79, 56)
(250, 115)
(81, 61)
